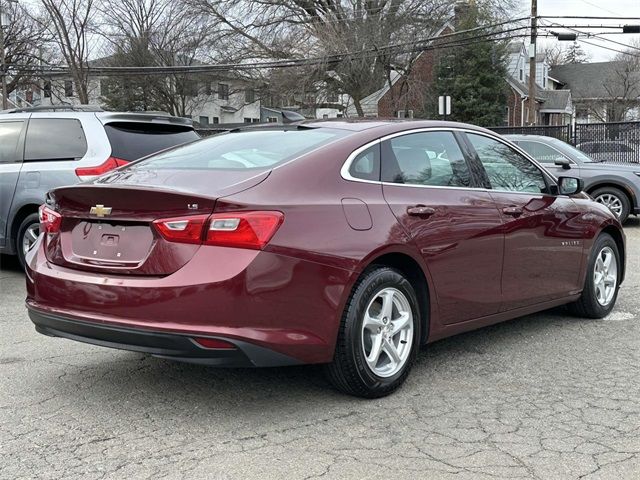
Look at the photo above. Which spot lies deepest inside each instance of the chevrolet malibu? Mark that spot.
(338, 243)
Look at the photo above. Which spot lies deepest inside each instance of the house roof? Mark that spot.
(370, 103)
(556, 101)
(586, 80)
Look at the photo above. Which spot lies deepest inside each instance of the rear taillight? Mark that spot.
(50, 220)
(110, 164)
(182, 229)
(241, 229)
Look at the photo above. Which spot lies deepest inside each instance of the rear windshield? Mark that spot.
(257, 149)
(131, 141)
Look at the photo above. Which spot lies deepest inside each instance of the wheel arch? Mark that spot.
(415, 273)
(23, 212)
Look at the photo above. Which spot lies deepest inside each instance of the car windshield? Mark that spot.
(258, 149)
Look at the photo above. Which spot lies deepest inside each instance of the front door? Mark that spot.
(543, 247)
(10, 163)
(456, 227)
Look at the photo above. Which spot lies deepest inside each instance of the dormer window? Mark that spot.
(521, 75)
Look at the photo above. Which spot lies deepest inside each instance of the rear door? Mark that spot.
(429, 186)
(543, 234)
(11, 141)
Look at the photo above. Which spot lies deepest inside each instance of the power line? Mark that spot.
(404, 47)
(589, 35)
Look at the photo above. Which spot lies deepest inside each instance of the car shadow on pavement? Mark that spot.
(9, 263)
(107, 377)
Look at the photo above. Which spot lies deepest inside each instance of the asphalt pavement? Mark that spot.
(546, 396)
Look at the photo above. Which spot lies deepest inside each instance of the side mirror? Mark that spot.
(570, 185)
(564, 163)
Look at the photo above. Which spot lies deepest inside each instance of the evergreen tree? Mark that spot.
(575, 54)
(474, 76)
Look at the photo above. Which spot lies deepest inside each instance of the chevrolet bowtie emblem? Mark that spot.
(100, 210)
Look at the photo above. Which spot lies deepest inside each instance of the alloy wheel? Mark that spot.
(30, 237)
(605, 276)
(387, 332)
(612, 202)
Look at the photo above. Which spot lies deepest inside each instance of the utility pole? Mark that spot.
(5, 104)
(531, 120)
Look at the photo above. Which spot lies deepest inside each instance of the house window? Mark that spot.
(404, 113)
(247, 120)
(272, 119)
(223, 91)
(204, 120)
(325, 116)
(47, 89)
(507, 118)
(68, 88)
(255, 120)
(207, 88)
(216, 120)
(249, 95)
(521, 74)
(339, 115)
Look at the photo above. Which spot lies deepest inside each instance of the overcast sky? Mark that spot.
(597, 8)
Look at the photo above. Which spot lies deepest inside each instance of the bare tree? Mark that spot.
(623, 85)
(24, 40)
(154, 33)
(70, 25)
(352, 37)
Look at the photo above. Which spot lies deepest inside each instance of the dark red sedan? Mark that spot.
(350, 244)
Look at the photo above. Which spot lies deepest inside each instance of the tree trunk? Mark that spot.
(356, 103)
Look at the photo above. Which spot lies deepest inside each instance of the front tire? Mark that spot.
(603, 280)
(616, 200)
(379, 335)
(27, 235)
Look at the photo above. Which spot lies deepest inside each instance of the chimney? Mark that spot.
(461, 11)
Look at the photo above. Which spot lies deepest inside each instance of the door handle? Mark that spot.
(513, 211)
(421, 211)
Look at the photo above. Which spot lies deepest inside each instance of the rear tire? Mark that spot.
(614, 198)
(601, 284)
(26, 239)
(381, 315)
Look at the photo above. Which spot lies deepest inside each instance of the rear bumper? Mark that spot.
(277, 303)
(159, 344)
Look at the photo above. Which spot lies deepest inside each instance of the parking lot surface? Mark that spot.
(545, 396)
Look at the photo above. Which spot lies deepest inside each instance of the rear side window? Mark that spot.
(131, 141)
(366, 165)
(257, 149)
(55, 139)
(9, 137)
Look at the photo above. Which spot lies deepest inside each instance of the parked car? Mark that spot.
(615, 185)
(311, 243)
(611, 151)
(41, 150)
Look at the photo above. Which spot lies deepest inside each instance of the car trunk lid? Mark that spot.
(108, 226)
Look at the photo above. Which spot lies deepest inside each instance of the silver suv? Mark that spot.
(41, 150)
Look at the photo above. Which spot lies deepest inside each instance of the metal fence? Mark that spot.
(615, 142)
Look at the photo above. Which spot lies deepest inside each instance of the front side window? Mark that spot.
(9, 137)
(223, 91)
(55, 139)
(541, 152)
(507, 169)
(425, 158)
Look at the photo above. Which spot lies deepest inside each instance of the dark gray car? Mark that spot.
(615, 185)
